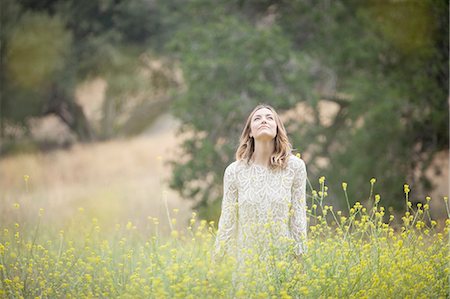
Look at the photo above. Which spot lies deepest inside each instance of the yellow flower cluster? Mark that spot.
(357, 253)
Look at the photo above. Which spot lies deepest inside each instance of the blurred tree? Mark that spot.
(391, 59)
(382, 66)
(229, 65)
(48, 47)
(36, 79)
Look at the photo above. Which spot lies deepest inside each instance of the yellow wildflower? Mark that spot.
(406, 188)
(322, 180)
(377, 198)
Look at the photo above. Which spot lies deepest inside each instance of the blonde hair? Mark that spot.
(282, 149)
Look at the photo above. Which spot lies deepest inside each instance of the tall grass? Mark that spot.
(113, 181)
(364, 252)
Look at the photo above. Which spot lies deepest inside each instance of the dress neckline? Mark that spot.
(259, 166)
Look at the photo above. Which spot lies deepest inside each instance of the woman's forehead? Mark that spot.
(263, 111)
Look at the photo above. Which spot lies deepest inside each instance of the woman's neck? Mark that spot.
(263, 152)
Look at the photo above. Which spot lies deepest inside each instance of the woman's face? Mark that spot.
(263, 125)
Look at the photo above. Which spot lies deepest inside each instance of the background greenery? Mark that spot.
(382, 65)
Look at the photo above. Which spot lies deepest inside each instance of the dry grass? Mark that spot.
(116, 181)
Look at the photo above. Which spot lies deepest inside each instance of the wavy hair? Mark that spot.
(282, 149)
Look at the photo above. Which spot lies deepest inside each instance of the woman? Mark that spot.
(264, 204)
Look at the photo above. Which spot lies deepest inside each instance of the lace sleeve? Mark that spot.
(226, 235)
(298, 213)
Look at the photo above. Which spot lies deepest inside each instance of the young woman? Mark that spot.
(264, 201)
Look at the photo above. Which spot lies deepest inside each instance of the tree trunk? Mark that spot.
(72, 114)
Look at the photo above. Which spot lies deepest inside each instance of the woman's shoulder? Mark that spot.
(235, 167)
(295, 162)
(232, 167)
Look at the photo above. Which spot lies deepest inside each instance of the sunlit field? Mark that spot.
(362, 252)
(113, 181)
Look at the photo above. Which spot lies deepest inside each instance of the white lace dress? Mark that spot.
(263, 210)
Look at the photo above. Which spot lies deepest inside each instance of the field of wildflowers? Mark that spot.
(364, 252)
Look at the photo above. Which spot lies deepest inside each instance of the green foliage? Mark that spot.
(388, 82)
(394, 68)
(49, 47)
(37, 50)
(229, 66)
(384, 65)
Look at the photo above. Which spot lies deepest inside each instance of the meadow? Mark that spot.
(363, 252)
(99, 221)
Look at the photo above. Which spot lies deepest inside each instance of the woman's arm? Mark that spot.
(298, 209)
(226, 235)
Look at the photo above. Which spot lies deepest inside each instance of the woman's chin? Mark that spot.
(264, 137)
